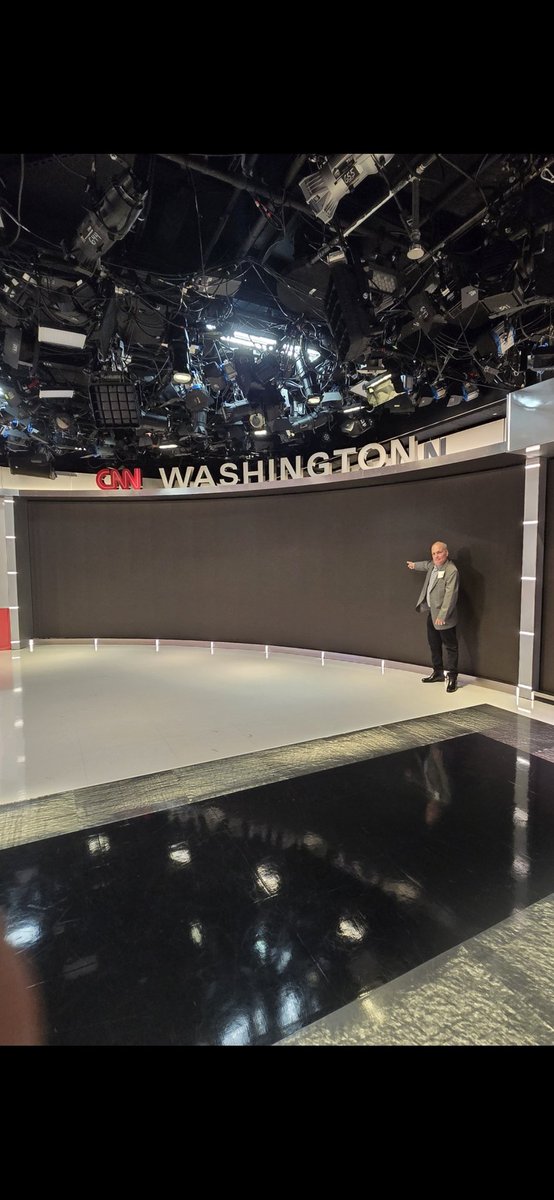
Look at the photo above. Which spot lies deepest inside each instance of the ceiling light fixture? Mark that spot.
(416, 250)
(180, 354)
(61, 337)
(341, 173)
(56, 393)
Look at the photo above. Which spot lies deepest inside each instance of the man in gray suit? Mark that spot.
(438, 598)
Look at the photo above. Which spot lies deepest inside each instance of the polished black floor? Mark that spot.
(239, 920)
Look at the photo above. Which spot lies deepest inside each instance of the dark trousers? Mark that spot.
(438, 638)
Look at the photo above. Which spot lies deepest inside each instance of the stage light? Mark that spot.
(153, 421)
(109, 221)
(235, 410)
(402, 403)
(383, 388)
(416, 250)
(56, 393)
(61, 337)
(197, 397)
(312, 390)
(250, 341)
(355, 426)
(384, 281)
(463, 393)
(428, 394)
(115, 402)
(181, 359)
(312, 420)
(341, 173)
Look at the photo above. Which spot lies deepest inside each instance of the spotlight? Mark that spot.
(267, 369)
(401, 404)
(110, 221)
(170, 395)
(288, 435)
(383, 283)
(180, 354)
(428, 394)
(463, 393)
(213, 376)
(199, 423)
(497, 340)
(341, 173)
(197, 397)
(313, 420)
(416, 250)
(383, 388)
(280, 425)
(356, 425)
(309, 380)
(153, 421)
(311, 388)
(235, 410)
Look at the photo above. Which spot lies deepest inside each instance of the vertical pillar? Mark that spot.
(9, 611)
(532, 559)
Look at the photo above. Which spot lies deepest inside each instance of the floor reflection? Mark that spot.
(240, 920)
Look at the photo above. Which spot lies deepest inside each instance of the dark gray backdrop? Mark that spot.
(322, 568)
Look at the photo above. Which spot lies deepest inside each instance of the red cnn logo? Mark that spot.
(110, 480)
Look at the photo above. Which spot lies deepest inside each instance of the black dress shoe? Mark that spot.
(436, 677)
(452, 683)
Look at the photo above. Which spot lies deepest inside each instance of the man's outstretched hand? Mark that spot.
(410, 565)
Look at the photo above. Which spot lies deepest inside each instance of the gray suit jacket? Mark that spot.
(444, 594)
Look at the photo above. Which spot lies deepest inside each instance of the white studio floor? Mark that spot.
(71, 716)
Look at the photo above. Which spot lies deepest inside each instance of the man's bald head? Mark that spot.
(439, 553)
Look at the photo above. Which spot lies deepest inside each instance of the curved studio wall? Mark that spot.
(321, 568)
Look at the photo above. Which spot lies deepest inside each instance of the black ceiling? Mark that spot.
(434, 270)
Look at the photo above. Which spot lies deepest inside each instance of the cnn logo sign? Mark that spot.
(110, 480)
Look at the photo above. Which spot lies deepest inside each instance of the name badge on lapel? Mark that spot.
(441, 574)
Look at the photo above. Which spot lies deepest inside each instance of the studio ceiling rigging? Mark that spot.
(187, 308)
